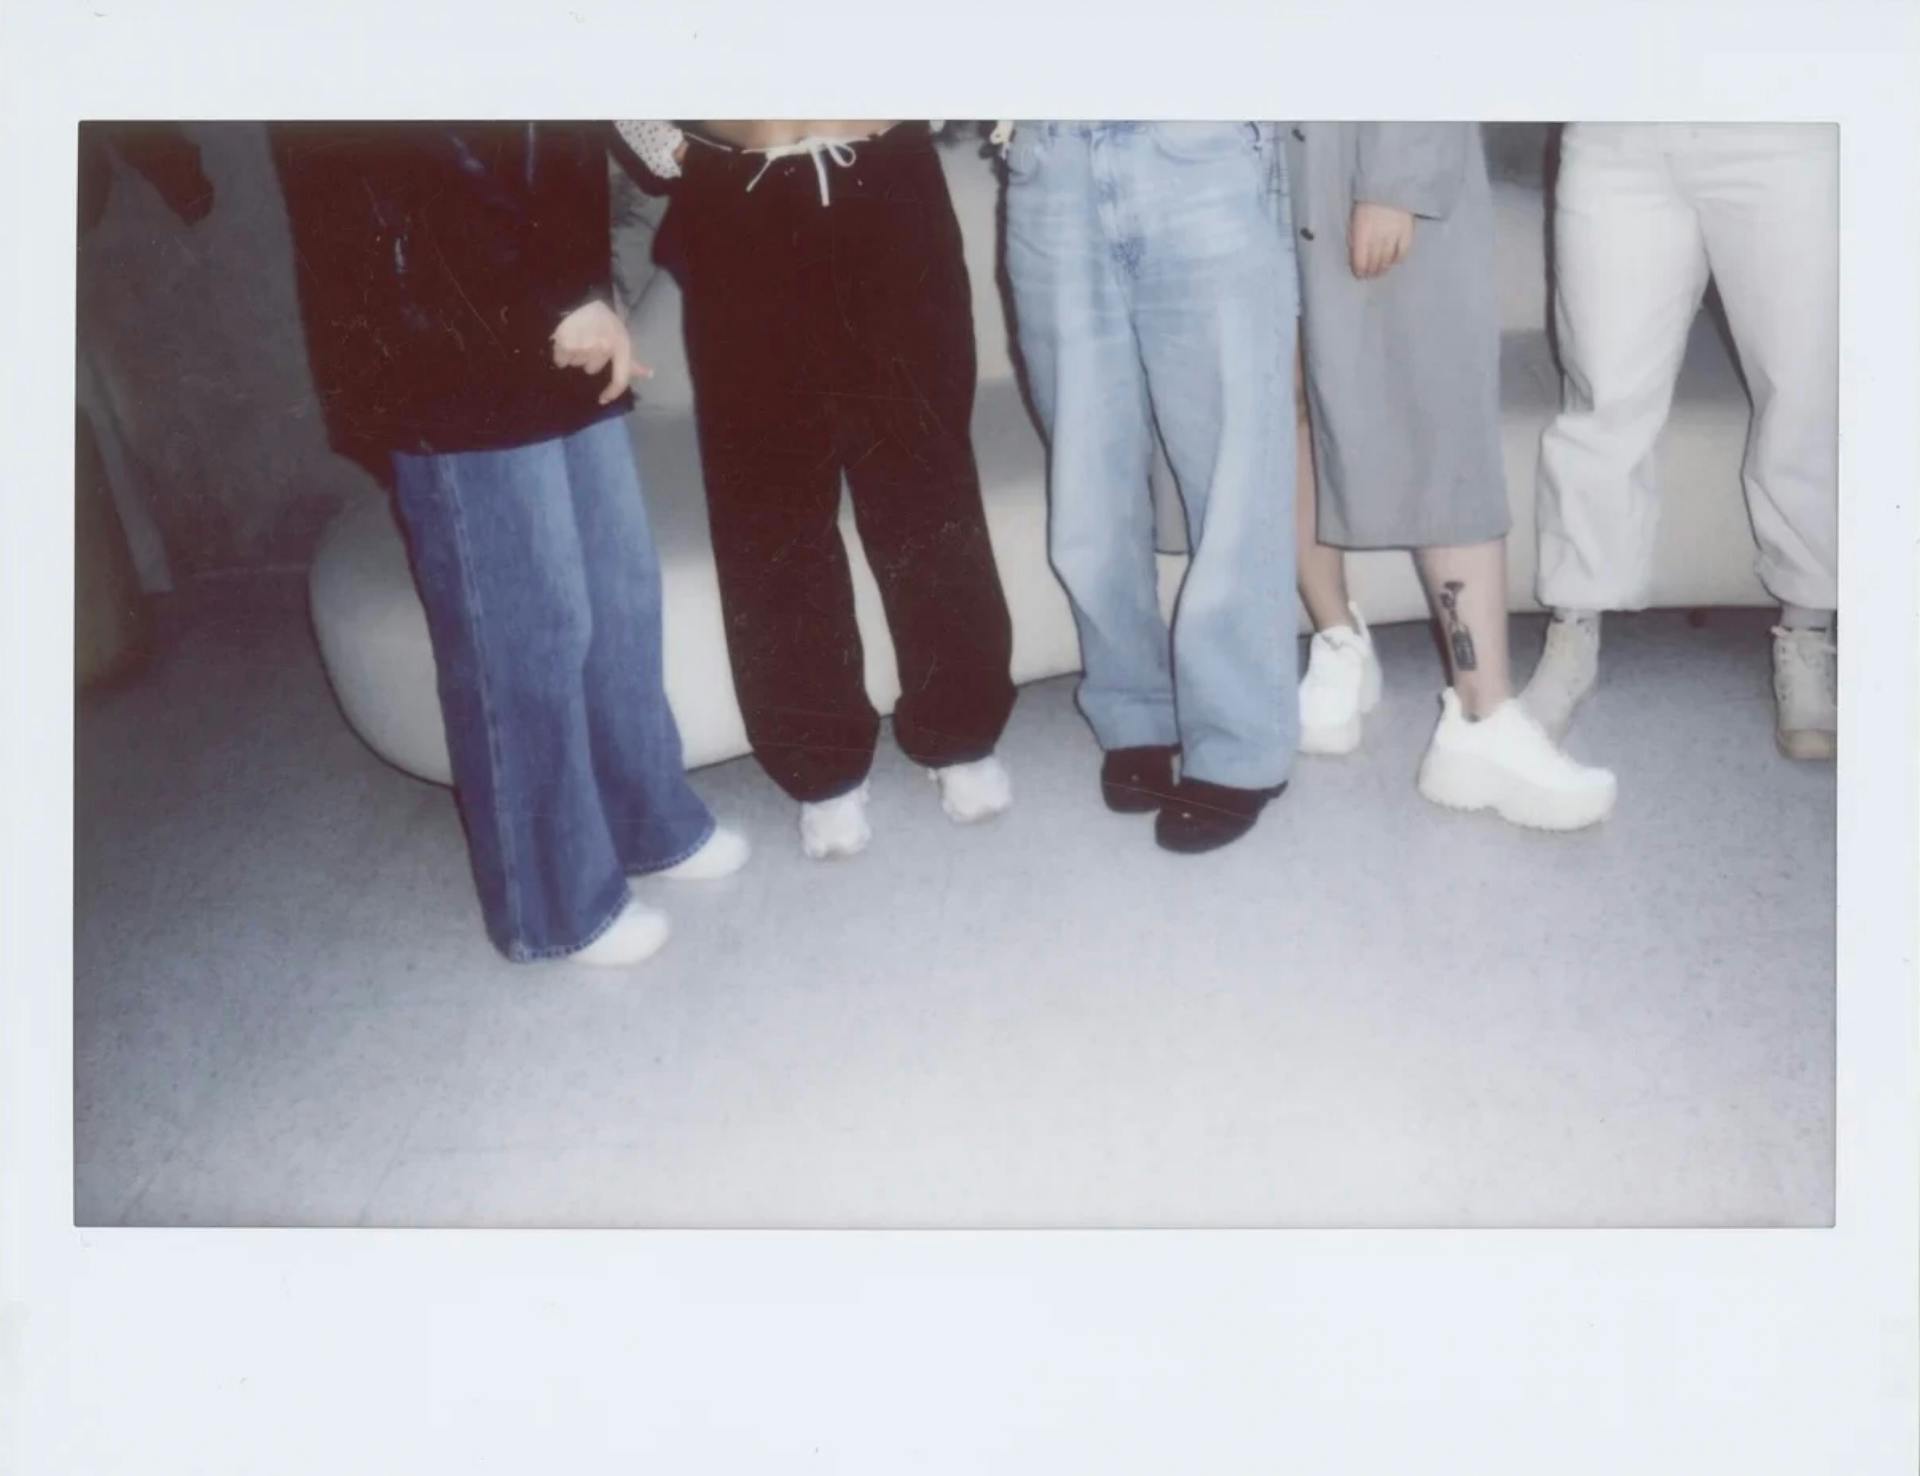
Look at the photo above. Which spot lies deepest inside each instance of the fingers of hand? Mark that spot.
(622, 374)
(595, 339)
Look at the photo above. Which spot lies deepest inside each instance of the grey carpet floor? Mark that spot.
(1369, 1013)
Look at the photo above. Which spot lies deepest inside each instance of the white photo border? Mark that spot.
(1560, 1351)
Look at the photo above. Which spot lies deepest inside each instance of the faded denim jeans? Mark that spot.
(1154, 283)
(542, 591)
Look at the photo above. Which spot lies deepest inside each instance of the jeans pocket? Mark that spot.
(1199, 142)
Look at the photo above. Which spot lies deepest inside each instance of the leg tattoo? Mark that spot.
(1459, 638)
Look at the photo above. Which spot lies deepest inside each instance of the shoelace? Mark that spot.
(820, 150)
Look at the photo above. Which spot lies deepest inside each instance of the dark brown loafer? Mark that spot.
(1199, 816)
(1136, 780)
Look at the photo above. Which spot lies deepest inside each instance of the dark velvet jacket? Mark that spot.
(434, 261)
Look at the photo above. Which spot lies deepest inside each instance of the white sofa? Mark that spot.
(373, 637)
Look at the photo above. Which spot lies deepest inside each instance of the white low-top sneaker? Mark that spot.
(836, 827)
(634, 936)
(974, 791)
(1341, 686)
(1569, 667)
(1506, 763)
(724, 853)
(1805, 693)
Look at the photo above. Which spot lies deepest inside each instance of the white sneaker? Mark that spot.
(636, 934)
(836, 827)
(1506, 763)
(975, 791)
(1341, 686)
(1569, 666)
(724, 853)
(1805, 693)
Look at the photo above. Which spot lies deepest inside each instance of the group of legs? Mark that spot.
(1644, 216)
(1162, 276)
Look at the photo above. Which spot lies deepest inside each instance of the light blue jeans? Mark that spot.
(1153, 283)
(542, 592)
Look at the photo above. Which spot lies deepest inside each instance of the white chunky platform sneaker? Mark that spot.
(1506, 763)
(1341, 686)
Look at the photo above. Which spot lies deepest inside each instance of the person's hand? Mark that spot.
(1378, 237)
(592, 338)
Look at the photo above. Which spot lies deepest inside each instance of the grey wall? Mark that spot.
(198, 331)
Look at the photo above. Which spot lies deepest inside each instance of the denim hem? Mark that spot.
(1239, 780)
(446, 482)
(520, 953)
(1127, 731)
(713, 825)
(1109, 741)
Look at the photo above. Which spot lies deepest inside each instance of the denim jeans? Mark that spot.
(1154, 283)
(542, 592)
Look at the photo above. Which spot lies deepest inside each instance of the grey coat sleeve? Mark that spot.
(1418, 167)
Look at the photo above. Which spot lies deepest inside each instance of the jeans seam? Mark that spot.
(1280, 376)
(521, 954)
(446, 479)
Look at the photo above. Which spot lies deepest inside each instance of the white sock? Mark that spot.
(724, 853)
(837, 826)
(974, 791)
(634, 935)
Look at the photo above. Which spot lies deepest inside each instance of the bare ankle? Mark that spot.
(1481, 698)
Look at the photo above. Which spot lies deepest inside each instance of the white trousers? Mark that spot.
(1644, 215)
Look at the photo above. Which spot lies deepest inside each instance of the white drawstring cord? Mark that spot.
(820, 150)
(1002, 134)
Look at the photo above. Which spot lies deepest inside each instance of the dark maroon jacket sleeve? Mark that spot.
(570, 249)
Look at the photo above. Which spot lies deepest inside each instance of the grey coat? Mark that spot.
(1403, 372)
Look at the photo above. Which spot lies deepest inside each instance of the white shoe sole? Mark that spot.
(638, 942)
(975, 817)
(834, 850)
(1806, 743)
(1463, 782)
(1337, 740)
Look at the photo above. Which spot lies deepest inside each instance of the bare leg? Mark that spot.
(1322, 571)
(1467, 586)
